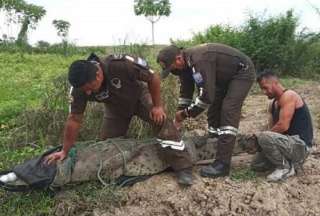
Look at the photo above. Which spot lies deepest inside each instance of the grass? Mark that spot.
(33, 203)
(243, 174)
(24, 80)
(87, 197)
(10, 157)
(82, 199)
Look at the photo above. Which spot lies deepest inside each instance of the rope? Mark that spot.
(123, 158)
(129, 179)
(122, 154)
(99, 176)
(101, 163)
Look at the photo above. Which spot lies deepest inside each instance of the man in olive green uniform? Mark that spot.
(223, 76)
(118, 81)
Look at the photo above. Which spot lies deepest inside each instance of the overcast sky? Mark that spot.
(110, 22)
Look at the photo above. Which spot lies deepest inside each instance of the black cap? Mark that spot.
(166, 57)
(82, 72)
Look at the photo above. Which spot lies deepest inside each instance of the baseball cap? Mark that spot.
(166, 57)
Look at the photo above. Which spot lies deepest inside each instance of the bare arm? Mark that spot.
(157, 113)
(270, 119)
(154, 88)
(287, 107)
(71, 130)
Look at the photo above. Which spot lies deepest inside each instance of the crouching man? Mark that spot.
(290, 135)
(127, 87)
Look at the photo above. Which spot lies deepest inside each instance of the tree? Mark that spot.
(41, 44)
(152, 10)
(62, 27)
(28, 15)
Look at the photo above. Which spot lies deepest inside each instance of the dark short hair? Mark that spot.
(167, 56)
(266, 74)
(81, 72)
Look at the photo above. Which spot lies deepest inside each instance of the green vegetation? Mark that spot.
(243, 174)
(271, 42)
(43, 47)
(62, 27)
(34, 203)
(24, 80)
(74, 201)
(153, 10)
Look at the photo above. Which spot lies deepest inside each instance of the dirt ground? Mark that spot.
(299, 195)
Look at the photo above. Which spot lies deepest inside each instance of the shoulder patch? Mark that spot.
(117, 56)
(135, 60)
(130, 58)
(138, 61)
(142, 62)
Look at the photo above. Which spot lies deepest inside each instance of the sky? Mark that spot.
(113, 22)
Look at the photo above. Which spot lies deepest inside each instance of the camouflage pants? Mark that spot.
(279, 150)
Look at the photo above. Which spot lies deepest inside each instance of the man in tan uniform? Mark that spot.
(223, 76)
(118, 81)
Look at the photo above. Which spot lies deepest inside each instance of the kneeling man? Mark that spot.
(290, 133)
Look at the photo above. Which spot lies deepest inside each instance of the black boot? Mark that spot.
(185, 177)
(216, 169)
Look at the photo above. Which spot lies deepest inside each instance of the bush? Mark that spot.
(271, 42)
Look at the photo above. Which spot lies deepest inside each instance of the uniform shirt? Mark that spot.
(209, 65)
(120, 89)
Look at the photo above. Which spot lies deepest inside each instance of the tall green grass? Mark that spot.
(25, 80)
